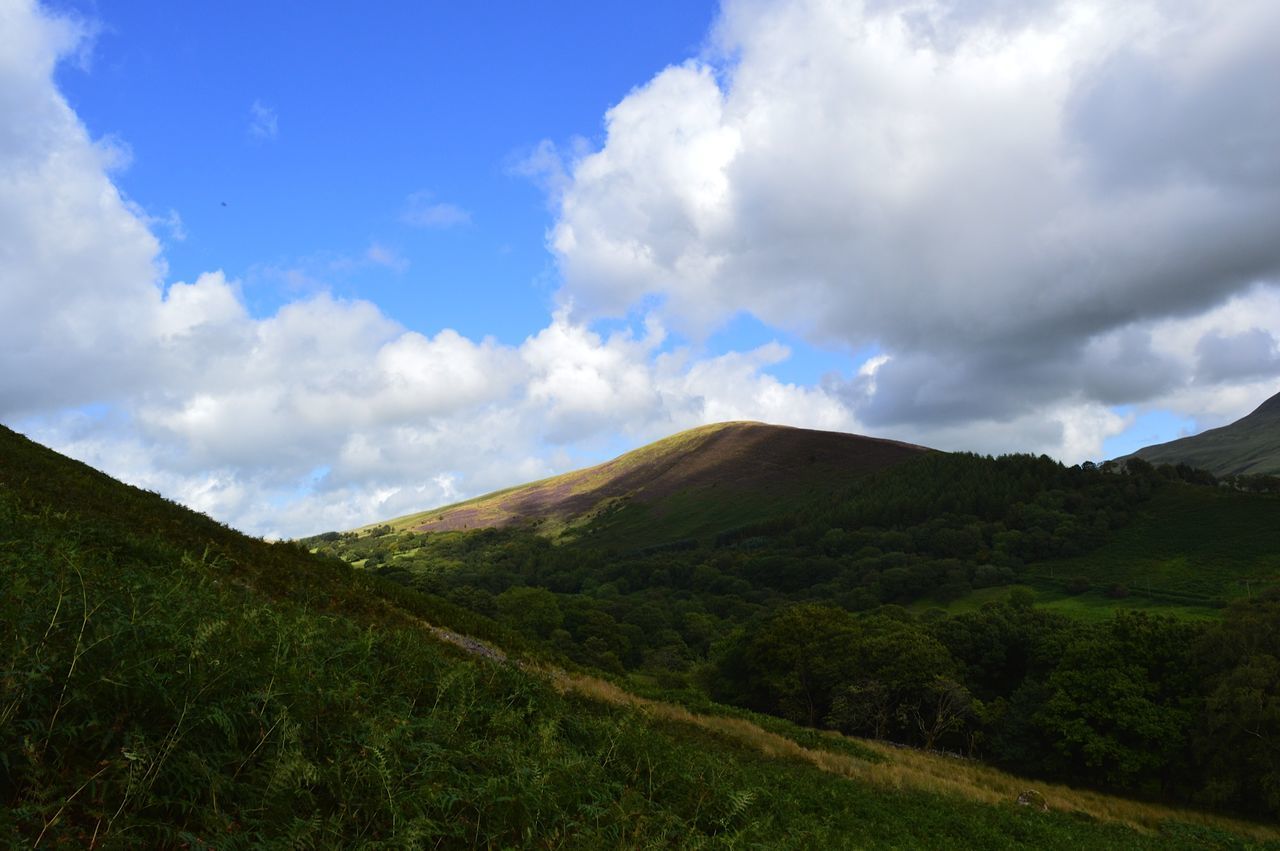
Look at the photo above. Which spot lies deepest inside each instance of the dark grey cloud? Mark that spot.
(1001, 383)
(1004, 197)
(1247, 355)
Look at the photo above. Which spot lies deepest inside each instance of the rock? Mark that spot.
(1032, 798)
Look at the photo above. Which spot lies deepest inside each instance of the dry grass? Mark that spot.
(916, 770)
(901, 768)
(745, 457)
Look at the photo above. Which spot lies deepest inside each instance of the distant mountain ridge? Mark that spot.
(1248, 446)
(726, 465)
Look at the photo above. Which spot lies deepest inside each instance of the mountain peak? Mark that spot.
(1248, 446)
(709, 475)
(1271, 407)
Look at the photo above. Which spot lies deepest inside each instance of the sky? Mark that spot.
(303, 267)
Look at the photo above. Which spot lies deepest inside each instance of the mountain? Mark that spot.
(1248, 446)
(168, 682)
(700, 480)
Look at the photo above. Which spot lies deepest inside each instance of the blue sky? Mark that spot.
(322, 132)
(303, 265)
(438, 98)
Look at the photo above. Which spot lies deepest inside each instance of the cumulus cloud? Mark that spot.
(330, 415)
(71, 248)
(1249, 354)
(938, 179)
(1001, 196)
(326, 414)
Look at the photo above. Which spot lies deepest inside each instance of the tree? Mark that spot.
(799, 658)
(1238, 742)
(1119, 704)
(533, 611)
(944, 707)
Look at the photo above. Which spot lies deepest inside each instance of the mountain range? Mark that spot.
(1248, 446)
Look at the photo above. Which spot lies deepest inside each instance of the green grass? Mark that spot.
(167, 682)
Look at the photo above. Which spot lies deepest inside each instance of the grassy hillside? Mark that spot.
(1249, 446)
(801, 615)
(696, 481)
(166, 682)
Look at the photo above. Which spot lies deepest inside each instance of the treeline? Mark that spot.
(937, 527)
(1148, 704)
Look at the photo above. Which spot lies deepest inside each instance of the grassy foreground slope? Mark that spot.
(703, 479)
(1249, 446)
(167, 682)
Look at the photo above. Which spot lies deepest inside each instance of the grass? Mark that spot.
(908, 769)
(685, 515)
(492, 508)
(166, 682)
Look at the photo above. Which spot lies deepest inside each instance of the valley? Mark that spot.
(170, 682)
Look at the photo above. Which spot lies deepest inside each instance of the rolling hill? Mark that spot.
(693, 482)
(1248, 446)
(168, 682)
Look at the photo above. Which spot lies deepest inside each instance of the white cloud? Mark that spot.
(1001, 197)
(421, 210)
(264, 124)
(325, 414)
(816, 193)
(72, 251)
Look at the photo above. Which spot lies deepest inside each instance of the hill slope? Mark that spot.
(734, 470)
(1248, 446)
(167, 682)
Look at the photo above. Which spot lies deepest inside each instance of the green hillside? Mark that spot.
(1087, 635)
(1248, 447)
(696, 482)
(167, 682)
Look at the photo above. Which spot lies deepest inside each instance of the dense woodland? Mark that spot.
(802, 616)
